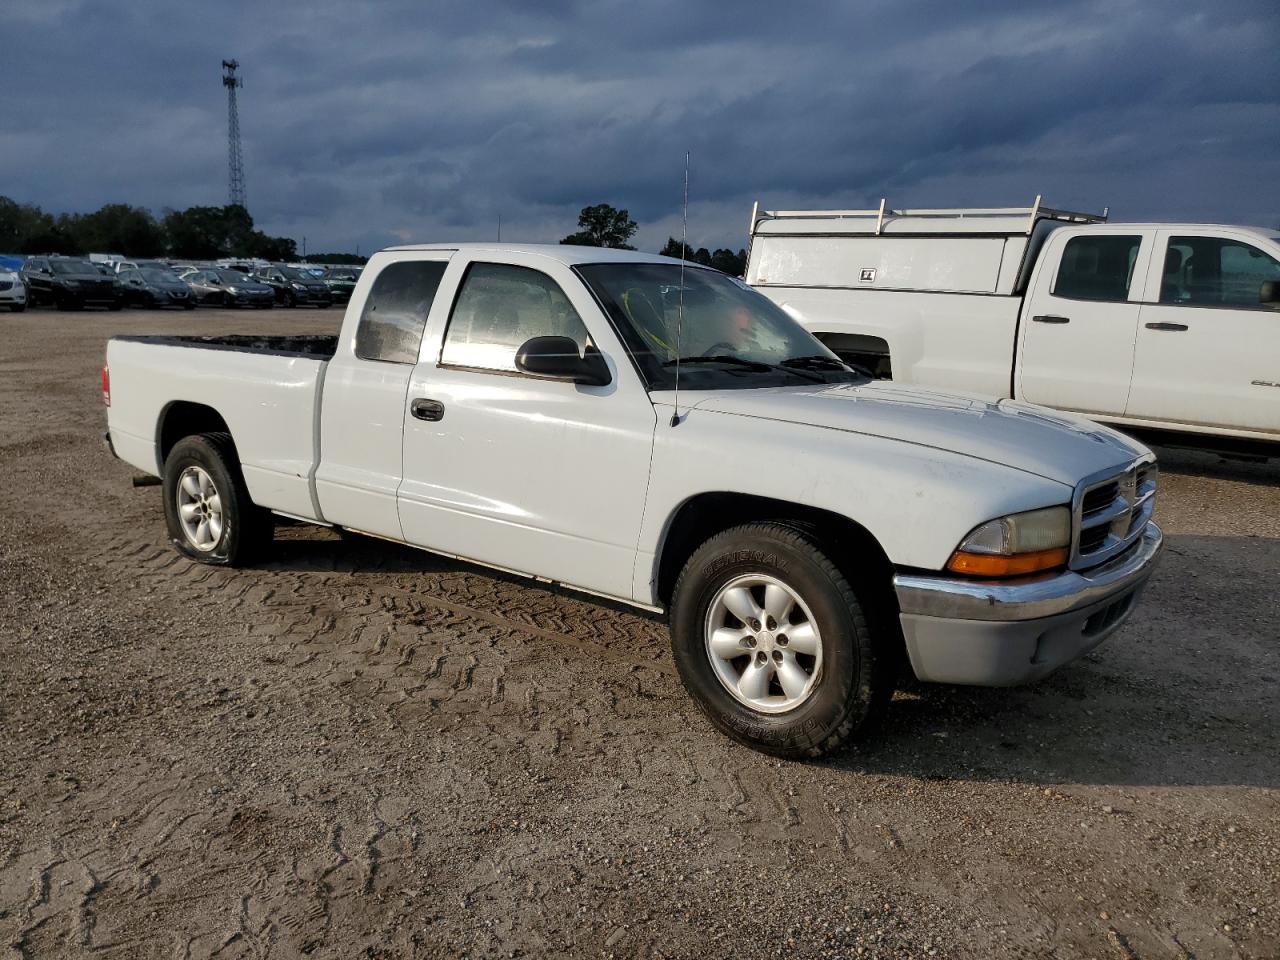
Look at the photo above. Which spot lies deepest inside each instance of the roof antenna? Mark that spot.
(684, 251)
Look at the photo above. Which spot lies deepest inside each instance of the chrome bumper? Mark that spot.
(1029, 599)
(1000, 634)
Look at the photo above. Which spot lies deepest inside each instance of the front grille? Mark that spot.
(6, 284)
(1100, 497)
(1111, 513)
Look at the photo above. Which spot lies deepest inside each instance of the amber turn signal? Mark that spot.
(994, 565)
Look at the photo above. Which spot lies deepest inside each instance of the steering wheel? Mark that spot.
(715, 349)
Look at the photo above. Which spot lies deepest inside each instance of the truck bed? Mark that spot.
(265, 389)
(319, 346)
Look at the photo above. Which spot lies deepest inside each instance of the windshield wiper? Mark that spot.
(758, 366)
(721, 358)
(822, 362)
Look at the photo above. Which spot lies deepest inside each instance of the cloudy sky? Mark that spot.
(372, 123)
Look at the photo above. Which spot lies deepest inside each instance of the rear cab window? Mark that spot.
(1097, 267)
(395, 312)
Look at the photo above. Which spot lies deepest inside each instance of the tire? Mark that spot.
(17, 308)
(117, 305)
(847, 688)
(290, 301)
(245, 530)
(189, 305)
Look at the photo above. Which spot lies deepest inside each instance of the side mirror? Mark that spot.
(1269, 292)
(558, 358)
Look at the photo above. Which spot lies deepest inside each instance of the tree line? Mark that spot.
(601, 225)
(208, 233)
(197, 233)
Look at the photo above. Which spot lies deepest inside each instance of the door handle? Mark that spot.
(425, 409)
(1051, 318)
(1166, 326)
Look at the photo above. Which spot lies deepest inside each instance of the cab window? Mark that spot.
(395, 313)
(1097, 267)
(1215, 271)
(499, 307)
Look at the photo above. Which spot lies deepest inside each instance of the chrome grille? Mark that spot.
(6, 284)
(1111, 511)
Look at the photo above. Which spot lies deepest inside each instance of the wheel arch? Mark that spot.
(849, 544)
(183, 418)
(704, 515)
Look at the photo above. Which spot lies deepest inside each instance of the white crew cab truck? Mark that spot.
(663, 435)
(1169, 327)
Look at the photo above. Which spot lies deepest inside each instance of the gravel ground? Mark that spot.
(359, 750)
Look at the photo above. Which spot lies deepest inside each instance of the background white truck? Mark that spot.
(806, 529)
(1173, 327)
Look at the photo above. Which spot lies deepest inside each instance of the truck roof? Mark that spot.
(561, 253)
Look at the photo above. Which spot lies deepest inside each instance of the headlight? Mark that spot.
(299, 286)
(1015, 545)
(71, 283)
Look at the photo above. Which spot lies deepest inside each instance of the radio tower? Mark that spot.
(235, 163)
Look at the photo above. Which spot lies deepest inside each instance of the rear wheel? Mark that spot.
(772, 642)
(207, 508)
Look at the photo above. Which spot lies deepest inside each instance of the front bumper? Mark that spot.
(993, 633)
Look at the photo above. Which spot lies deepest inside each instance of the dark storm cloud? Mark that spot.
(373, 123)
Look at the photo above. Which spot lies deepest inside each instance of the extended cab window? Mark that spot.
(501, 306)
(1216, 271)
(1097, 268)
(395, 314)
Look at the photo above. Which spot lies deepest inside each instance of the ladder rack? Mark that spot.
(1032, 213)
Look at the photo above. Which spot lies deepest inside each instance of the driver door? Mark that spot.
(522, 472)
(1208, 349)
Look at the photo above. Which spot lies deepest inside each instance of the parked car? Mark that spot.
(230, 288)
(294, 287)
(152, 287)
(341, 283)
(662, 435)
(69, 283)
(13, 291)
(123, 265)
(1162, 326)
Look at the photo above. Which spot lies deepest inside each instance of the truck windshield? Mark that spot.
(730, 336)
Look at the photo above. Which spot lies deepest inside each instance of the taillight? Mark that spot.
(106, 386)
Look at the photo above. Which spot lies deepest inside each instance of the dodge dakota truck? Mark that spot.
(662, 435)
(1172, 328)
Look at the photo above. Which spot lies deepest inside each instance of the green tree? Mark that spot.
(25, 227)
(119, 228)
(734, 264)
(603, 226)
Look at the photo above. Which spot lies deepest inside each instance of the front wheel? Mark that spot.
(18, 307)
(773, 644)
(207, 508)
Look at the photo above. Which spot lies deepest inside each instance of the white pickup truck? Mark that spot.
(1161, 326)
(659, 434)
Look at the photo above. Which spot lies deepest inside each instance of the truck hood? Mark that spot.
(1050, 444)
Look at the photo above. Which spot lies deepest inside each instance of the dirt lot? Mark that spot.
(358, 750)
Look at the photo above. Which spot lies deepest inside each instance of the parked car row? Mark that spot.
(73, 283)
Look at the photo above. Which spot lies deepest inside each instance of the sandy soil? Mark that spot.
(359, 750)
